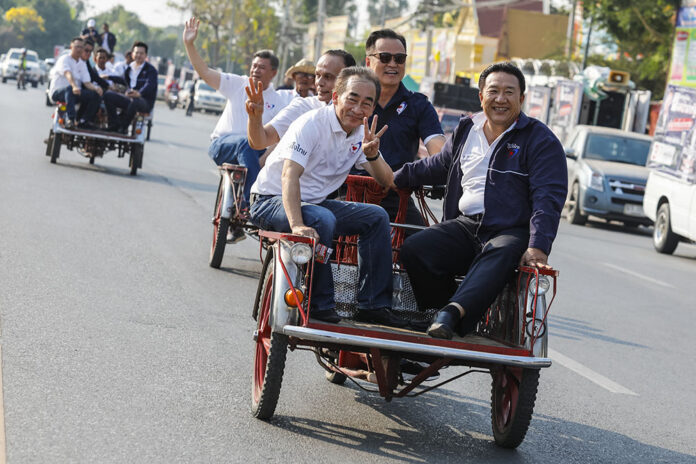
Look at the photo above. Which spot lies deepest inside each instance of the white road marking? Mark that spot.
(589, 374)
(3, 453)
(640, 276)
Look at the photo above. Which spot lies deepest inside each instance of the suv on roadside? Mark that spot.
(10, 66)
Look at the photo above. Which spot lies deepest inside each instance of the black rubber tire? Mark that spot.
(91, 159)
(149, 129)
(664, 240)
(335, 377)
(136, 158)
(220, 227)
(49, 142)
(55, 148)
(48, 101)
(510, 420)
(34, 84)
(573, 214)
(268, 364)
(4, 79)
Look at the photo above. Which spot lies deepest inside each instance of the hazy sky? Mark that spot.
(151, 12)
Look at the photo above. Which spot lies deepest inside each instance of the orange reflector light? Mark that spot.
(138, 131)
(60, 121)
(290, 297)
(236, 175)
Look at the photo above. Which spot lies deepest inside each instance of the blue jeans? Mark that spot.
(235, 149)
(88, 99)
(332, 218)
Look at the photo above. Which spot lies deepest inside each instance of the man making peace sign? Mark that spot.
(312, 160)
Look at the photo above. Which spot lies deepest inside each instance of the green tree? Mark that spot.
(392, 9)
(259, 32)
(643, 30)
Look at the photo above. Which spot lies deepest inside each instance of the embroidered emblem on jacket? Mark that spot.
(512, 148)
(400, 109)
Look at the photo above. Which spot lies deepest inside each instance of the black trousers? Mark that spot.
(434, 256)
(129, 106)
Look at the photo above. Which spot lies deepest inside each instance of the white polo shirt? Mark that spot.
(296, 108)
(476, 154)
(78, 68)
(317, 142)
(234, 118)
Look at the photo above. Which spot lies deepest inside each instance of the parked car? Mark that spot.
(670, 201)
(10, 66)
(607, 175)
(207, 98)
(161, 87)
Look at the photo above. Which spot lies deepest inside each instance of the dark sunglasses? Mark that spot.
(385, 57)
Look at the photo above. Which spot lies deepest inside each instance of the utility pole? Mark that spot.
(383, 14)
(587, 44)
(570, 33)
(284, 44)
(319, 43)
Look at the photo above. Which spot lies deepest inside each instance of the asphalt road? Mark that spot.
(120, 344)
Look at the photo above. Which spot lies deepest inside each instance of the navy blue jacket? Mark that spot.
(526, 185)
(146, 83)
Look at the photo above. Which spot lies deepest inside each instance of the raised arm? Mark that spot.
(259, 136)
(376, 166)
(210, 76)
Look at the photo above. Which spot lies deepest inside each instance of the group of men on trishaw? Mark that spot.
(132, 89)
(504, 172)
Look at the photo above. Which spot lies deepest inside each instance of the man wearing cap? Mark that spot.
(90, 32)
(303, 75)
(410, 116)
(263, 136)
(229, 140)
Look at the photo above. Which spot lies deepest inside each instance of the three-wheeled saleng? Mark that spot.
(510, 343)
(94, 143)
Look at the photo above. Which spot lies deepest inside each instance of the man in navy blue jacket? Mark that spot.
(141, 80)
(506, 181)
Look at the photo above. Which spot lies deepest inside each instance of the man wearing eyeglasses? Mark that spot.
(409, 115)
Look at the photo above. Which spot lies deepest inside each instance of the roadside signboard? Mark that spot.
(674, 145)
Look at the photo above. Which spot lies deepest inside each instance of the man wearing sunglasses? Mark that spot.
(409, 115)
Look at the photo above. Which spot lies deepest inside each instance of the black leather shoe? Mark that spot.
(444, 324)
(325, 315)
(382, 316)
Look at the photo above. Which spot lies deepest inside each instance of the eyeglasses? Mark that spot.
(385, 57)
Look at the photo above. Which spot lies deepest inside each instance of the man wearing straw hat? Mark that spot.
(302, 73)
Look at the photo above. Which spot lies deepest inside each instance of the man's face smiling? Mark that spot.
(355, 103)
(325, 76)
(501, 99)
(262, 71)
(389, 74)
(139, 55)
(86, 52)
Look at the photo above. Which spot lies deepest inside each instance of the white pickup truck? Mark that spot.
(670, 201)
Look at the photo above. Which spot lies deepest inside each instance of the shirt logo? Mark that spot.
(400, 109)
(295, 146)
(512, 149)
(269, 106)
(355, 147)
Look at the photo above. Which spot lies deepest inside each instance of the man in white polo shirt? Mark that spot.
(312, 160)
(263, 136)
(229, 140)
(71, 83)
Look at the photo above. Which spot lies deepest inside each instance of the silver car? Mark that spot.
(606, 175)
(10, 66)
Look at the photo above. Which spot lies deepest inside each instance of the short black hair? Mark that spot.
(506, 67)
(383, 34)
(77, 39)
(102, 50)
(139, 44)
(268, 55)
(89, 41)
(348, 59)
(105, 24)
